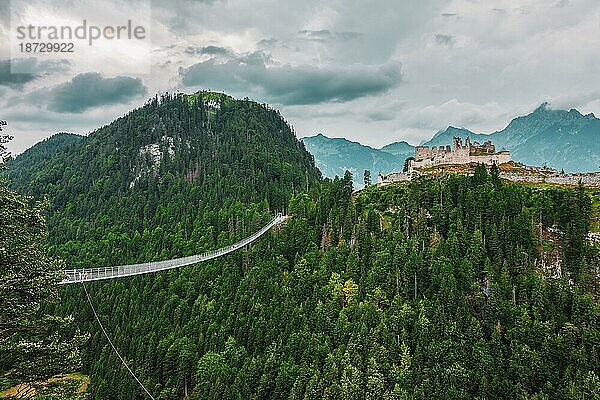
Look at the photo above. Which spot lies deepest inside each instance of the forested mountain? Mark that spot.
(444, 287)
(181, 170)
(41, 155)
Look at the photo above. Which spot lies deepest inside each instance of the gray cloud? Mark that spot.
(324, 35)
(34, 69)
(266, 43)
(563, 3)
(41, 67)
(288, 84)
(318, 36)
(208, 50)
(90, 90)
(574, 100)
(13, 80)
(445, 40)
(384, 115)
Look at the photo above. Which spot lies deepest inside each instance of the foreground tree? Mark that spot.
(32, 347)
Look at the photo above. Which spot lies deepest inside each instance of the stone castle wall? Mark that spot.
(590, 179)
(461, 158)
(459, 154)
(393, 177)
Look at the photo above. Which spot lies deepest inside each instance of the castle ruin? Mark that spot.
(459, 154)
(486, 154)
(469, 153)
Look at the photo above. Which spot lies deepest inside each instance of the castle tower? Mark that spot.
(456, 143)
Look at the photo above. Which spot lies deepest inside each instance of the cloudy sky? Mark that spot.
(372, 71)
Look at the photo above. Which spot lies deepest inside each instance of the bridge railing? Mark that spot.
(99, 273)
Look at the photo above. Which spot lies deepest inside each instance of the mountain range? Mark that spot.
(334, 156)
(562, 139)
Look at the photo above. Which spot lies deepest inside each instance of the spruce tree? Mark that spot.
(33, 346)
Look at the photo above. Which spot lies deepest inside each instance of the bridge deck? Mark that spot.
(96, 274)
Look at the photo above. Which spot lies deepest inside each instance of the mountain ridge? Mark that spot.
(562, 139)
(334, 156)
(213, 148)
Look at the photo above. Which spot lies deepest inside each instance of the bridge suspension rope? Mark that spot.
(111, 343)
(96, 274)
(92, 274)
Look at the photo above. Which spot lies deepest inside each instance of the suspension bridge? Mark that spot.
(119, 271)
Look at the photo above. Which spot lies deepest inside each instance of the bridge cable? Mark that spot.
(111, 343)
(93, 274)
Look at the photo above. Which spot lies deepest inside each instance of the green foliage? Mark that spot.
(367, 178)
(33, 345)
(4, 153)
(431, 289)
(63, 387)
(327, 308)
(35, 164)
(407, 163)
(206, 96)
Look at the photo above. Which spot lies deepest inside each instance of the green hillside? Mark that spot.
(441, 287)
(184, 172)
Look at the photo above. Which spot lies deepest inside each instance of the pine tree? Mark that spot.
(33, 344)
(367, 178)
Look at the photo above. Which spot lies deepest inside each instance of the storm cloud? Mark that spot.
(34, 67)
(293, 84)
(13, 80)
(341, 68)
(90, 90)
(208, 50)
(446, 40)
(325, 35)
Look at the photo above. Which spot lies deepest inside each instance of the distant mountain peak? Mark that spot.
(542, 108)
(402, 147)
(546, 108)
(457, 129)
(547, 113)
(334, 156)
(444, 137)
(318, 136)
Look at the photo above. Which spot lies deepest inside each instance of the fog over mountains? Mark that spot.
(562, 139)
